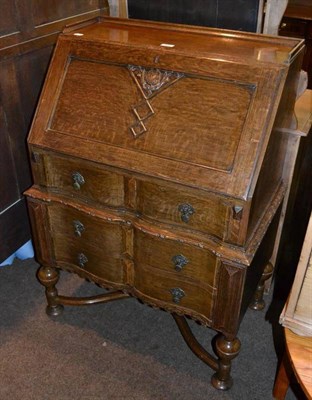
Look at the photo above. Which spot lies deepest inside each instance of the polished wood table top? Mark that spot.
(299, 349)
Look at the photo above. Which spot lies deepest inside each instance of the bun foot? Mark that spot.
(221, 385)
(54, 311)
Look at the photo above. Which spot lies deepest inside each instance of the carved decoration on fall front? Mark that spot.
(153, 80)
(150, 82)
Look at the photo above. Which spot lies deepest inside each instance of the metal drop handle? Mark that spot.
(179, 262)
(177, 294)
(78, 180)
(186, 211)
(82, 260)
(78, 228)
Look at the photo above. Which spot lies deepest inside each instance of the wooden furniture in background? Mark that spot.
(297, 321)
(298, 129)
(297, 314)
(297, 22)
(158, 169)
(28, 32)
(297, 362)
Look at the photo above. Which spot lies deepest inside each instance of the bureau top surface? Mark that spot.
(175, 38)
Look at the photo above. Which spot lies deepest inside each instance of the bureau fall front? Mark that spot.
(157, 155)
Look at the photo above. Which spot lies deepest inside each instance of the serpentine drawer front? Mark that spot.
(158, 170)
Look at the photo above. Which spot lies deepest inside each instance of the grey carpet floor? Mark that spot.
(122, 350)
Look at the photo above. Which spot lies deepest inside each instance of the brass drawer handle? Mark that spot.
(82, 260)
(78, 228)
(177, 294)
(78, 180)
(179, 262)
(186, 211)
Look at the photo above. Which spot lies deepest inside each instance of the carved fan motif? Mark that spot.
(150, 82)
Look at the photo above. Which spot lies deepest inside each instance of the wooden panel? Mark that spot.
(31, 69)
(24, 53)
(9, 192)
(11, 100)
(8, 17)
(190, 102)
(45, 11)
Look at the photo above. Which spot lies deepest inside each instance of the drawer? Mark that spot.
(173, 293)
(79, 178)
(82, 227)
(101, 264)
(180, 259)
(185, 208)
(87, 242)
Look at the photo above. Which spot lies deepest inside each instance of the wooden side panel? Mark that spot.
(271, 173)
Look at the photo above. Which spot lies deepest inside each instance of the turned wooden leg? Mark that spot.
(258, 303)
(226, 350)
(48, 277)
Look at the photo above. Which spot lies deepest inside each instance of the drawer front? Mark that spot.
(173, 293)
(202, 212)
(81, 179)
(174, 274)
(87, 242)
(180, 259)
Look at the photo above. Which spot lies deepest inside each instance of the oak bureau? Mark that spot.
(157, 153)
